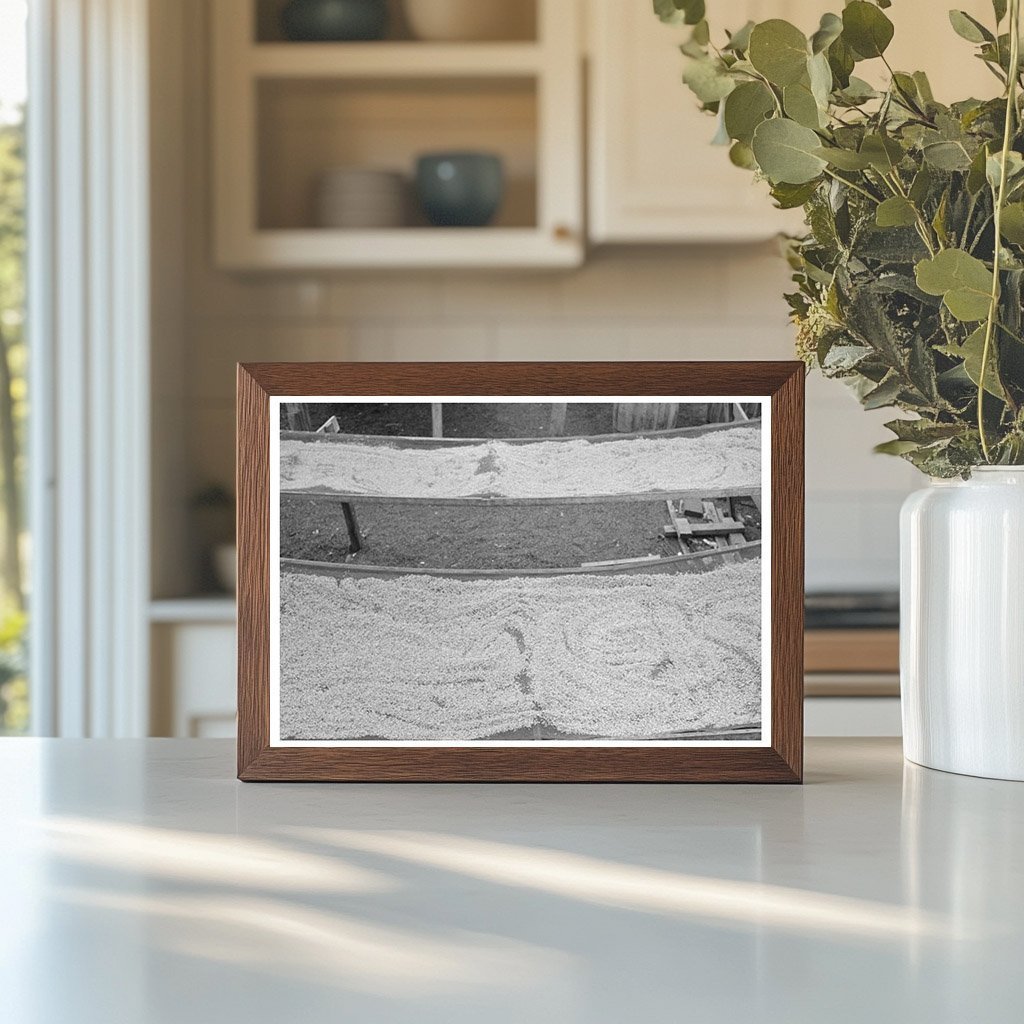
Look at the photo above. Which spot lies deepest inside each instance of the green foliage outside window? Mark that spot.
(13, 410)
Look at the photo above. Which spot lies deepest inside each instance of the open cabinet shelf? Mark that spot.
(394, 60)
(286, 114)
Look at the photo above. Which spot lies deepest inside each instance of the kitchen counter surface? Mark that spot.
(142, 884)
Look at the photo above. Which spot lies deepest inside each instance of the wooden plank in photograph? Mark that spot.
(558, 412)
(297, 417)
(741, 491)
(405, 441)
(630, 417)
(679, 526)
(684, 528)
(355, 543)
(639, 566)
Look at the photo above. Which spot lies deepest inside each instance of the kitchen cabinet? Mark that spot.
(192, 646)
(286, 113)
(653, 175)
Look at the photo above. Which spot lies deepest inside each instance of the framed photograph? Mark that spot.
(520, 572)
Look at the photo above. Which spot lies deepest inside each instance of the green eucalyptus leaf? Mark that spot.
(676, 12)
(789, 197)
(829, 30)
(994, 169)
(800, 105)
(884, 395)
(969, 28)
(967, 304)
(785, 152)
(999, 7)
(882, 152)
(866, 29)
(906, 88)
(743, 67)
(896, 447)
(921, 185)
(668, 12)
(701, 33)
(819, 74)
(741, 155)
(739, 41)
(842, 61)
(923, 431)
(858, 91)
(695, 11)
(844, 159)
(779, 51)
(895, 212)
(976, 178)
(972, 352)
(997, 53)
(924, 87)
(963, 281)
(1012, 224)
(946, 156)
(939, 220)
(708, 80)
(745, 108)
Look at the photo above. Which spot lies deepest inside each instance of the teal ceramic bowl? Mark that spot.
(460, 190)
(334, 21)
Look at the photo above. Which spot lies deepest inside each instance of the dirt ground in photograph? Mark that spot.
(474, 537)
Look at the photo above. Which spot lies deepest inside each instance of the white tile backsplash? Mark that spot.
(714, 303)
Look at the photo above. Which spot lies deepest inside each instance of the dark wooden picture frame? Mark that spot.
(781, 761)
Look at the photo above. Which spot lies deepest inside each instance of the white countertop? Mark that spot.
(140, 884)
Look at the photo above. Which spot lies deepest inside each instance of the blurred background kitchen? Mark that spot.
(368, 180)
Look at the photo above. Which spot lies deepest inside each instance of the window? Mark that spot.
(14, 548)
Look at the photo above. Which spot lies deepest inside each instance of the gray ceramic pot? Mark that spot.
(334, 20)
(460, 189)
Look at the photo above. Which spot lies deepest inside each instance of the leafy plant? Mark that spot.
(910, 278)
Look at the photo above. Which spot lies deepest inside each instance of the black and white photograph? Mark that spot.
(520, 571)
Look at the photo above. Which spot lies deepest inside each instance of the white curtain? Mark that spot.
(88, 320)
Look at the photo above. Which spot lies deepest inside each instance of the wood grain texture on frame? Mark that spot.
(780, 762)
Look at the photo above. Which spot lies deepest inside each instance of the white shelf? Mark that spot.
(393, 60)
(310, 248)
(205, 609)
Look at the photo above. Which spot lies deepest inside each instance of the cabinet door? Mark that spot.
(654, 176)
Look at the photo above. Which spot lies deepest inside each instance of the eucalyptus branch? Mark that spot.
(967, 220)
(981, 231)
(1000, 199)
(850, 184)
(923, 227)
(771, 89)
(898, 267)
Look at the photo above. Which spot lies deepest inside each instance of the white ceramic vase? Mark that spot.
(962, 624)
